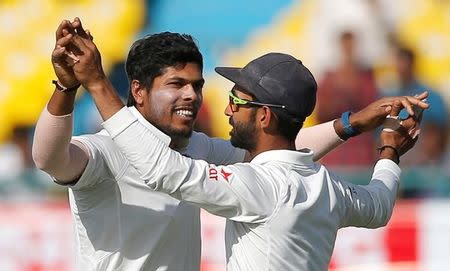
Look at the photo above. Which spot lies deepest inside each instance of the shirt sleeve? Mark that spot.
(321, 139)
(228, 191)
(370, 205)
(97, 169)
(54, 152)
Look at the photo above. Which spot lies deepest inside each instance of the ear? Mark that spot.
(265, 117)
(268, 120)
(138, 91)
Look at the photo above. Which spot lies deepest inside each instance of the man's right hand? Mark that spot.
(374, 114)
(62, 57)
(398, 136)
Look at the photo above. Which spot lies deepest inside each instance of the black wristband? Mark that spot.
(397, 158)
(62, 88)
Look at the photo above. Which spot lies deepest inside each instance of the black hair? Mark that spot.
(150, 56)
(288, 126)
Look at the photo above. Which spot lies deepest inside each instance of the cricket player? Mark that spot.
(121, 223)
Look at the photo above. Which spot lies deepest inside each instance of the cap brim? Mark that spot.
(232, 74)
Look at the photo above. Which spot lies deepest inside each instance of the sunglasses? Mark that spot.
(235, 102)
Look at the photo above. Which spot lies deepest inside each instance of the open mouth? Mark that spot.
(185, 113)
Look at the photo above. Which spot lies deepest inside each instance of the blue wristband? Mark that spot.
(348, 129)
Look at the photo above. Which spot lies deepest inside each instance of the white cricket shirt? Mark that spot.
(283, 210)
(122, 224)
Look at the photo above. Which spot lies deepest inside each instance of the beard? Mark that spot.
(168, 128)
(243, 134)
(175, 133)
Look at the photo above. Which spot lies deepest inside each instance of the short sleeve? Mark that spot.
(97, 169)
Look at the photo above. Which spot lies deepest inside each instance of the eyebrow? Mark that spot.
(240, 89)
(184, 80)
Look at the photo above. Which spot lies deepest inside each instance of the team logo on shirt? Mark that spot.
(213, 174)
(225, 174)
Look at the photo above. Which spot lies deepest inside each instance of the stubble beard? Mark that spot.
(243, 134)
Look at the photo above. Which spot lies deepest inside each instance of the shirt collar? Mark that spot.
(158, 133)
(303, 156)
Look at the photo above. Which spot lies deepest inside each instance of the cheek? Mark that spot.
(163, 99)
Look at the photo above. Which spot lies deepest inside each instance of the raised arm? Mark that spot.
(371, 205)
(323, 138)
(53, 151)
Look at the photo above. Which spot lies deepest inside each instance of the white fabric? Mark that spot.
(121, 224)
(52, 150)
(283, 210)
(321, 138)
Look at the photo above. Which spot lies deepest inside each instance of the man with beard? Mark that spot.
(121, 223)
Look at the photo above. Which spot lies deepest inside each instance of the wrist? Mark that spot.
(344, 127)
(389, 152)
(99, 86)
(65, 88)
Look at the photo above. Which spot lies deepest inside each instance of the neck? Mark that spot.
(178, 143)
(270, 143)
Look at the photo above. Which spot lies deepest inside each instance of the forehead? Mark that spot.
(189, 71)
(241, 93)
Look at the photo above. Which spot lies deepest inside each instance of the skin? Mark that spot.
(263, 124)
(173, 101)
(242, 135)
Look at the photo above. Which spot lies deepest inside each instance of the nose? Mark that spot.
(228, 112)
(189, 93)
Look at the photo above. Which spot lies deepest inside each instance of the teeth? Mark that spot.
(184, 113)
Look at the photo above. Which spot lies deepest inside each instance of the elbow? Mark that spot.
(41, 160)
(37, 159)
(388, 215)
(384, 214)
(385, 220)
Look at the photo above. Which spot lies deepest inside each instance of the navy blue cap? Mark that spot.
(277, 78)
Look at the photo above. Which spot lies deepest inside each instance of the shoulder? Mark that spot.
(199, 146)
(99, 142)
(215, 150)
(103, 152)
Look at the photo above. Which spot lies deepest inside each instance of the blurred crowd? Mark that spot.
(350, 84)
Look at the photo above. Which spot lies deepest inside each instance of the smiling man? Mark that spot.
(121, 223)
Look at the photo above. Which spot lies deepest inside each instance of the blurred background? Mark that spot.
(358, 50)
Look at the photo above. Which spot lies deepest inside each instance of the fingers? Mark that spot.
(58, 53)
(66, 26)
(422, 95)
(396, 108)
(61, 49)
(417, 101)
(89, 34)
(84, 42)
(408, 102)
(64, 40)
(79, 28)
(392, 122)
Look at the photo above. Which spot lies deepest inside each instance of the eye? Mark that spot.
(176, 83)
(198, 86)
